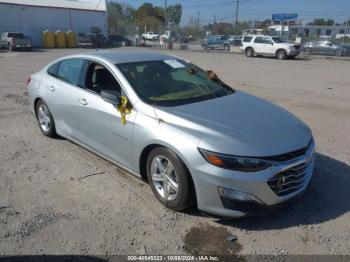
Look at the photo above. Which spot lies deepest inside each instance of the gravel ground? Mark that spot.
(57, 198)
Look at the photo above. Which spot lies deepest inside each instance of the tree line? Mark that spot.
(122, 15)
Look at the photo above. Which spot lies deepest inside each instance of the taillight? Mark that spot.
(28, 80)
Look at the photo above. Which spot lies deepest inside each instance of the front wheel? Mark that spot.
(339, 53)
(169, 179)
(45, 119)
(308, 51)
(281, 54)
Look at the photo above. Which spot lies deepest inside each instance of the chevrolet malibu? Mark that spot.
(165, 120)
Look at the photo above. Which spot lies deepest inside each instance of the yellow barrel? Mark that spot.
(71, 39)
(48, 39)
(60, 39)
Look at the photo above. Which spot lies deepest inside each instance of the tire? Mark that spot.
(249, 52)
(308, 51)
(45, 119)
(227, 47)
(162, 180)
(281, 54)
(339, 53)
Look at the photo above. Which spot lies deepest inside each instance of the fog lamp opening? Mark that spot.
(237, 195)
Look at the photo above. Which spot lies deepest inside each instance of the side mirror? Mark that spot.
(111, 96)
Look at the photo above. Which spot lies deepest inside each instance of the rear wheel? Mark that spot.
(281, 54)
(169, 179)
(45, 119)
(249, 52)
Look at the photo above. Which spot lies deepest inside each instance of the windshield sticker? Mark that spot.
(174, 64)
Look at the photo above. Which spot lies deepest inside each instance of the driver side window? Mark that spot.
(99, 78)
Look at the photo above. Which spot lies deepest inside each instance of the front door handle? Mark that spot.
(51, 88)
(83, 102)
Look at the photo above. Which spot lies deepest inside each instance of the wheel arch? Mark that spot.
(280, 49)
(248, 47)
(143, 161)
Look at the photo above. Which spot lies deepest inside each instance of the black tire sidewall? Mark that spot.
(52, 131)
(249, 52)
(281, 54)
(185, 194)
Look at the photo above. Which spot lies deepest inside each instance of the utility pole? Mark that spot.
(198, 18)
(236, 16)
(346, 29)
(214, 22)
(166, 14)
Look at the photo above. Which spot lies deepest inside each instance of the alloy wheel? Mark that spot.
(44, 118)
(164, 178)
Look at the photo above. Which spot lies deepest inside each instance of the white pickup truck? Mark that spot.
(150, 36)
(262, 45)
(16, 40)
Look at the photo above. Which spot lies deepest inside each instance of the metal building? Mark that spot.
(32, 17)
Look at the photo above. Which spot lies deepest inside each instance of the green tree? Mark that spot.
(149, 17)
(174, 14)
(119, 17)
(322, 22)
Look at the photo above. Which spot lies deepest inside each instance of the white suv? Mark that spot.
(269, 45)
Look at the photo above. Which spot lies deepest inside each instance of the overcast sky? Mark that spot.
(224, 10)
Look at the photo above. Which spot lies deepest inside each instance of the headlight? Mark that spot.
(237, 163)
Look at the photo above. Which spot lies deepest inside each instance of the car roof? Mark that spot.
(119, 57)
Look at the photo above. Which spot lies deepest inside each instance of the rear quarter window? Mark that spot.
(69, 70)
(247, 39)
(52, 70)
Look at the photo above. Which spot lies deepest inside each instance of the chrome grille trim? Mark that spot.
(293, 174)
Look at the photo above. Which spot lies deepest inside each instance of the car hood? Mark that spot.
(237, 118)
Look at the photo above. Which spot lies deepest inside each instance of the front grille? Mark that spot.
(289, 156)
(290, 180)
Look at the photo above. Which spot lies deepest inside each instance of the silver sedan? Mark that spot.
(326, 47)
(163, 119)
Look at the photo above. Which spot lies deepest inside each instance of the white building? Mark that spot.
(32, 17)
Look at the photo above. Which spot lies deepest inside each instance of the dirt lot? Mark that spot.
(57, 198)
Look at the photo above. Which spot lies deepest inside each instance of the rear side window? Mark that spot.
(69, 70)
(247, 39)
(52, 70)
(262, 40)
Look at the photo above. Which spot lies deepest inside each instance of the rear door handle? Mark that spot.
(83, 102)
(51, 88)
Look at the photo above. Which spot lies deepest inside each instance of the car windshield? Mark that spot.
(278, 40)
(173, 82)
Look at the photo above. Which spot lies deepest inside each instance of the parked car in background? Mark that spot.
(92, 40)
(235, 40)
(326, 47)
(17, 41)
(3, 44)
(191, 136)
(216, 42)
(150, 36)
(118, 40)
(270, 46)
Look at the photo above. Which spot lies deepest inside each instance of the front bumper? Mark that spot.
(293, 52)
(267, 188)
